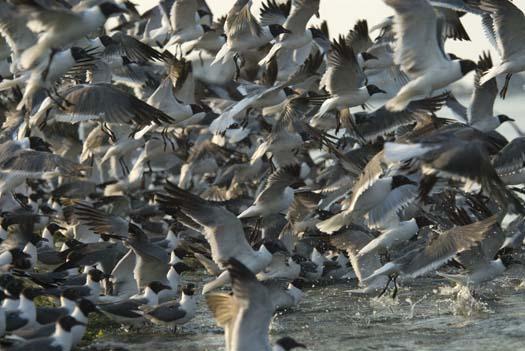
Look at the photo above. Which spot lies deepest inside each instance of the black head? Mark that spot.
(87, 307)
(6, 279)
(277, 29)
(467, 66)
(70, 294)
(316, 33)
(31, 293)
(507, 258)
(35, 239)
(453, 57)
(298, 258)
(297, 184)
(80, 54)
(14, 288)
(189, 289)
(68, 322)
(180, 252)
(207, 29)
(203, 13)
(21, 260)
(399, 180)
(423, 221)
(180, 267)
(39, 144)
(196, 108)
(372, 89)
(97, 275)
(109, 8)
(366, 56)
(289, 343)
(157, 287)
(53, 228)
(505, 118)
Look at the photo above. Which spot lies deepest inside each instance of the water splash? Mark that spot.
(467, 305)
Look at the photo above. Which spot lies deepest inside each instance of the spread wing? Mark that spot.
(418, 42)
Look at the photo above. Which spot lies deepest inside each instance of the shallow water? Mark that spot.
(427, 314)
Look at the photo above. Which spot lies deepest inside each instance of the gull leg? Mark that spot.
(237, 68)
(123, 166)
(394, 294)
(505, 89)
(386, 287)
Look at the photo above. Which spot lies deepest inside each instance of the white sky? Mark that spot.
(342, 14)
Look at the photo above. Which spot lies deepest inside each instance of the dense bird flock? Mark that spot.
(136, 147)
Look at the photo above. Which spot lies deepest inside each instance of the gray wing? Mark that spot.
(452, 26)
(418, 44)
(167, 312)
(46, 18)
(42, 332)
(14, 321)
(132, 48)
(182, 14)
(387, 210)
(277, 182)
(99, 221)
(512, 157)
(371, 173)
(247, 289)
(36, 163)
(343, 73)
(240, 22)
(484, 96)
(37, 345)
(274, 13)
(45, 315)
(300, 14)
(509, 24)
(122, 277)
(126, 309)
(457, 108)
(358, 37)
(487, 24)
(353, 240)
(487, 249)
(457, 5)
(110, 104)
(382, 121)
(13, 28)
(447, 245)
(223, 230)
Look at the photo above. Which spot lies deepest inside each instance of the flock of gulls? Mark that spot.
(139, 148)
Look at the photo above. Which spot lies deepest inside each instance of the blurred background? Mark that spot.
(342, 14)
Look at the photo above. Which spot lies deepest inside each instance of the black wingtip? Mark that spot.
(238, 271)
